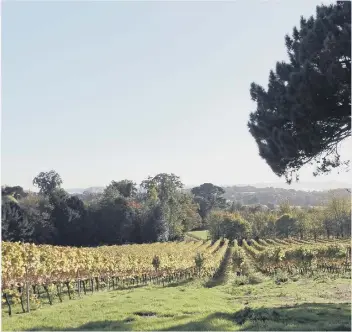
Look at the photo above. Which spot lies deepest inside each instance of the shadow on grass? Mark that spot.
(303, 317)
(103, 325)
(180, 283)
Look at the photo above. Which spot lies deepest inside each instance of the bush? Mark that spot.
(255, 278)
(251, 278)
(229, 225)
(246, 268)
(281, 276)
(199, 260)
(156, 262)
(242, 280)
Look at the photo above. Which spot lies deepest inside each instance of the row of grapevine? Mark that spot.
(293, 255)
(46, 264)
(263, 242)
(304, 258)
(28, 267)
(212, 264)
(251, 250)
(244, 264)
(290, 241)
(258, 246)
(238, 258)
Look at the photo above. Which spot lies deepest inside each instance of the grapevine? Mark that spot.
(28, 267)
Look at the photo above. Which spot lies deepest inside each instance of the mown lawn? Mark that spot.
(306, 304)
(200, 235)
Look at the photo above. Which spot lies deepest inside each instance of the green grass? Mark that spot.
(200, 235)
(307, 304)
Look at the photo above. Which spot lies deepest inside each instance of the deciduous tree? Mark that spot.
(47, 181)
(164, 184)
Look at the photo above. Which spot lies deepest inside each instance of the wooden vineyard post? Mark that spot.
(348, 255)
(48, 294)
(58, 287)
(20, 290)
(27, 292)
(84, 287)
(78, 284)
(68, 289)
(8, 303)
(27, 285)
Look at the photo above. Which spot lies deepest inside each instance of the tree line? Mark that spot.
(157, 210)
(241, 222)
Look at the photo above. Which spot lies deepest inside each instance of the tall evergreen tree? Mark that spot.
(306, 111)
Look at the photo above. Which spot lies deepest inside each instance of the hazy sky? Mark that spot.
(103, 91)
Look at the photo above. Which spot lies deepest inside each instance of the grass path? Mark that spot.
(317, 305)
(199, 235)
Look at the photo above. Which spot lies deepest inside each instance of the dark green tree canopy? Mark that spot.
(47, 182)
(165, 185)
(164, 213)
(285, 225)
(16, 191)
(306, 111)
(127, 188)
(208, 196)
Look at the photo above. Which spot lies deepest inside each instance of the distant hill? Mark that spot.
(313, 194)
(248, 195)
(82, 190)
(306, 186)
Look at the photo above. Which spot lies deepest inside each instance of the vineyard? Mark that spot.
(294, 256)
(27, 269)
(31, 273)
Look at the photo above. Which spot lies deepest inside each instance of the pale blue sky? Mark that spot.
(103, 91)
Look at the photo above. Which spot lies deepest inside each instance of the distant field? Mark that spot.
(201, 235)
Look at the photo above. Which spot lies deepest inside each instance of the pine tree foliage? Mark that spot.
(306, 111)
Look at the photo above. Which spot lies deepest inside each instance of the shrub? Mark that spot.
(242, 280)
(255, 278)
(229, 225)
(281, 276)
(156, 262)
(199, 260)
